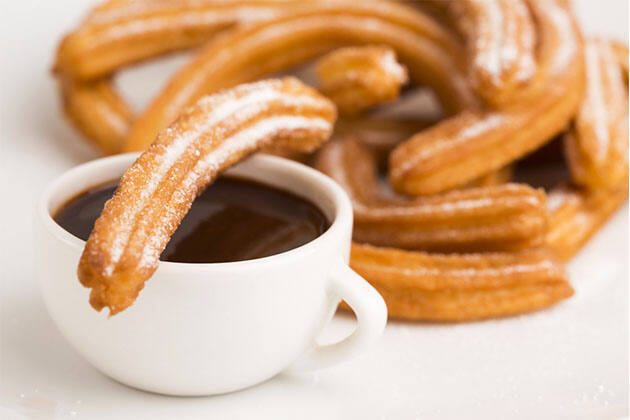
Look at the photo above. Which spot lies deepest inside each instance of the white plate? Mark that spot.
(566, 362)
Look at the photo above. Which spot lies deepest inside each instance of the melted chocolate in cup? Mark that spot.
(234, 219)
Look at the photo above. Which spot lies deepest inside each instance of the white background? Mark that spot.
(567, 362)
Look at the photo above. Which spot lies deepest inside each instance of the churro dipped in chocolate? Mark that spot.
(156, 192)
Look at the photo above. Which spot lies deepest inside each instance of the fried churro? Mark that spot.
(417, 285)
(356, 78)
(509, 75)
(472, 143)
(99, 113)
(500, 36)
(597, 143)
(431, 54)
(124, 33)
(503, 217)
(156, 192)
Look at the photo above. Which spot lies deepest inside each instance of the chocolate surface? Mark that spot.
(234, 219)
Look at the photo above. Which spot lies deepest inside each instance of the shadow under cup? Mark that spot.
(201, 329)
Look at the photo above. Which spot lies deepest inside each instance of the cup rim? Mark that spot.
(342, 208)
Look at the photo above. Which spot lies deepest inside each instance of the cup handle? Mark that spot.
(371, 314)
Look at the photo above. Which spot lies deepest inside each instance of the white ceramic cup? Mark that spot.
(201, 329)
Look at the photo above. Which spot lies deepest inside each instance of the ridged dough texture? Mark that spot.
(156, 192)
(441, 230)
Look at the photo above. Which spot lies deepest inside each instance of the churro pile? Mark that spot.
(446, 227)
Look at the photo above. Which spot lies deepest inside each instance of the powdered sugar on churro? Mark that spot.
(221, 107)
(157, 191)
(391, 66)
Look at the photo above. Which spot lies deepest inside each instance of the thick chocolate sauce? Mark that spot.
(232, 220)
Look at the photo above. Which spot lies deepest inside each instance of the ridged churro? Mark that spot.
(509, 76)
(431, 54)
(123, 33)
(417, 285)
(356, 78)
(156, 192)
(472, 143)
(503, 217)
(597, 143)
(99, 112)
(500, 36)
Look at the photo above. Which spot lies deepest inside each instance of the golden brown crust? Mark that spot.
(502, 217)
(472, 143)
(122, 32)
(432, 56)
(356, 78)
(156, 192)
(99, 113)
(421, 286)
(500, 36)
(509, 75)
(597, 143)
(118, 34)
(498, 177)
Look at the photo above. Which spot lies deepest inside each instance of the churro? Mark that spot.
(356, 78)
(123, 33)
(500, 36)
(502, 217)
(472, 143)
(120, 33)
(156, 192)
(597, 143)
(99, 113)
(509, 77)
(430, 53)
(417, 285)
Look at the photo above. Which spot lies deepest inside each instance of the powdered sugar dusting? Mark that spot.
(564, 30)
(391, 66)
(220, 107)
(192, 19)
(558, 198)
(525, 33)
(246, 140)
(489, 47)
